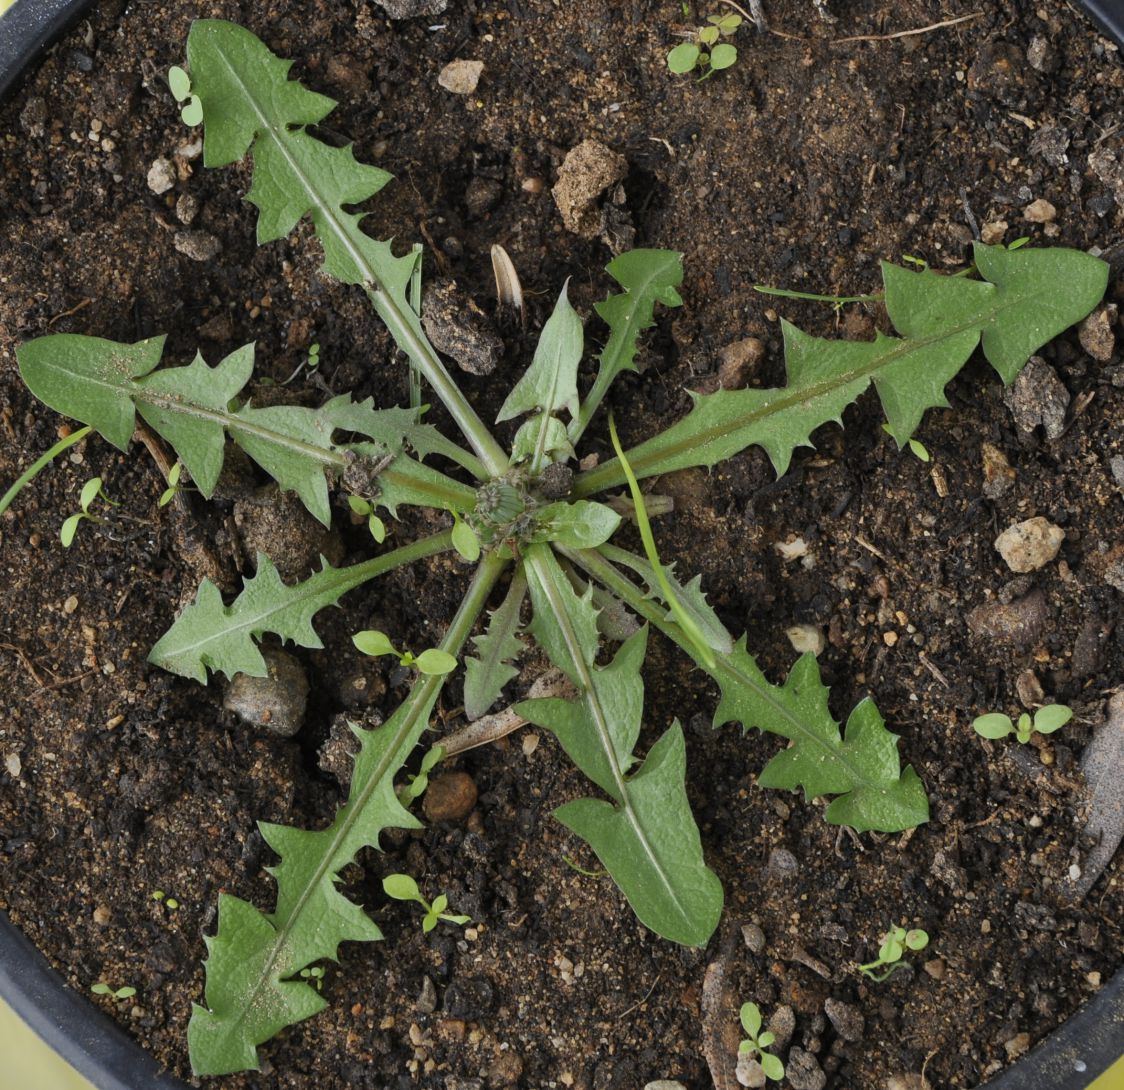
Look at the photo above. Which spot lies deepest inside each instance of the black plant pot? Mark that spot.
(1070, 1059)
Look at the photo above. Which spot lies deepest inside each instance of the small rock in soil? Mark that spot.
(993, 232)
(461, 77)
(277, 524)
(908, 1082)
(1096, 335)
(1029, 690)
(426, 1002)
(935, 968)
(1038, 397)
(999, 477)
(948, 872)
(999, 72)
(469, 999)
(738, 362)
(506, 1070)
(1116, 467)
(411, 9)
(449, 797)
(1041, 54)
(754, 937)
(1019, 624)
(1030, 545)
(481, 195)
(1016, 1046)
(847, 1020)
(806, 637)
(749, 1072)
(1034, 917)
(1089, 648)
(456, 1082)
(1040, 211)
(1051, 143)
(664, 1084)
(1015, 588)
(161, 176)
(336, 755)
(187, 208)
(1109, 170)
(460, 329)
(198, 245)
(803, 1071)
(782, 865)
(275, 703)
(33, 117)
(782, 1025)
(587, 171)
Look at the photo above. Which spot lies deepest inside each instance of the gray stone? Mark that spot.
(1018, 624)
(275, 703)
(782, 1025)
(587, 172)
(426, 1003)
(461, 77)
(749, 1072)
(664, 1084)
(161, 176)
(782, 865)
(460, 329)
(803, 1071)
(1030, 545)
(1096, 333)
(1038, 397)
(412, 9)
(754, 937)
(847, 1020)
(198, 245)
(481, 195)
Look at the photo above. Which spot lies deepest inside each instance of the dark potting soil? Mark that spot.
(826, 148)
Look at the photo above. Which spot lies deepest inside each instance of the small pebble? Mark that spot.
(1017, 1045)
(187, 208)
(1096, 335)
(782, 865)
(935, 968)
(426, 1003)
(275, 703)
(102, 915)
(449, 797)
(1029, 690)
(198, 245)
(481, 195)
(847, 1020)
(806, 637)
(908, 1082)
(999, 477)
(664, 1084)
(749, 1072)
(803, 1071)
(1038, 398)
(461, 77)
(991, 233)
(1030, 545)
(782, 1025)
(738, 362)
(754, 937)
(587, 171)
(161, 176)
(506, 1070)
(1040, 211)
(13, 765)
(70, 605)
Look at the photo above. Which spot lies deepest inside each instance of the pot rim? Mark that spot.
(27, 28)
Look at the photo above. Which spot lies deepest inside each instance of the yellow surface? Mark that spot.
(28, 1064)
(5, 4)
(1112, 1079)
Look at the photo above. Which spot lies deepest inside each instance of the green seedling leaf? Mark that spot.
(436, 662)
(101, 989)
(1051, 717)
(487, 672)
(125, 993)
(550, 384)
(208, 634)
(192, 113)
(994, 725)
(648, 277)
(683, 57)
(465, 540)
(708, 35)
(860, 767)
(105, 384)
(69, 529)
(254, 960)
(772, 1066)
(766, 1039)
(890, 950)
(646, 837)
(580, 525)
(750, 1016)
(550, 437)
(250, 105)
(722, 56)
(916, 939)
(89, 493)
(401, 887)
(374, 643)
(1028, 298)
(179, 82)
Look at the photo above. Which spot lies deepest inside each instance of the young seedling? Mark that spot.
(432, 661)
(173, 488)
(102, 988)
(314, 975)
(917, 448)
(91, 491)
(403, 888)
(366, 509)
(1046, 720)
(894, 944)
(756, 1042)
(535, 525)
(706, 52)
(416, 786)
(179, 82)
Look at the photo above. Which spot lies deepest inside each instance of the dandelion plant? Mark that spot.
(527, 524)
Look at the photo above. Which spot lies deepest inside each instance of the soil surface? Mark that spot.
(806, 163)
